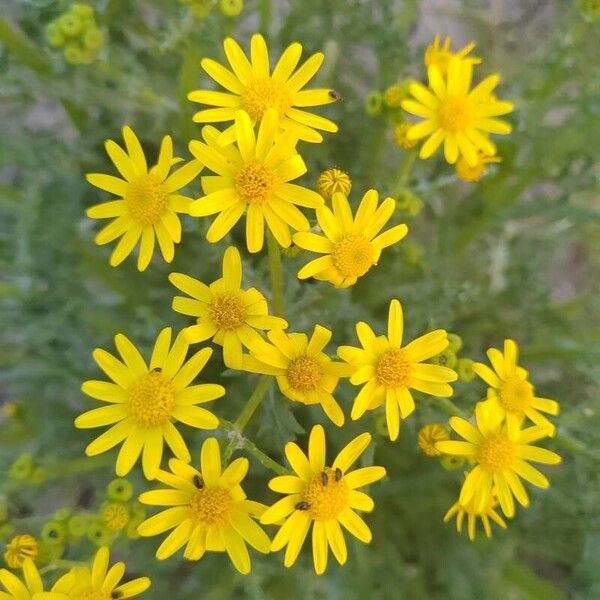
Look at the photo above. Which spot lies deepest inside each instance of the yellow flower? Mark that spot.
(209, 510)
(395, 94)
(27, 590)
(304, 372)
(351, 244)
(456, 115)
(501, 451)
(147, 203)
(253, 179)
(114, 516)
(98, 582)
(468, 510)
(470, 173)
(400, 136)
(333, 181)
(389, 371)
(511, 393)
(225, 312)
(429, 435)
(325, 496)
(440, 56)
(252, 87)
(20, 548)
(144, 400)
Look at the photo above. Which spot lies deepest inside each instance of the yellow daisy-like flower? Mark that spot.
(511, 393)
(98, 582)
(351, 244)
(389, 371)
(429, 435)
(225, 312)
(28, 589)
(333, 181)
(440, 56)
(252, 87)
(326, 496)
(456, 115)
(486, 514)
(146, 399)
(501, 451)
(209, 510)
(470, 173)
(147, 203)
(303, 371)
(20, 548)
(253, 178)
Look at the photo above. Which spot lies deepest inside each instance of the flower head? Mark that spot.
(252, 87)
(22, 590)
(304, 372)
(388, 371)
(440, 56)
(253, 178)
(429, 435)
(324, 496)
(144, 400)
(456, 115)
(470, 173)
(401, 138)
(486, 514)
(500, 450)
(351, 244)
(225, 312)
(333, 181)
(510, 391)
(20, 548)
(147, 203)
(208, 510)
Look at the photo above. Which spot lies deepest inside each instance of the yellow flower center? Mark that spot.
(326, 494)
(92, 594)
(353, 256)
(115, 516)
(516, 394)
(455, 113)
(227, 311)
(255, 183)
(392, 369)
(151, 400)
(496, 453)
(304, 374)
(211, 506)
(146, 199)
(263, 94)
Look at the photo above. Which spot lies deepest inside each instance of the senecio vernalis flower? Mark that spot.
(470, 173)
(333, 181)
(225, 312)
(324, 496)
(501, 450)
(389, 371)
(209, 511)
(303, 371)
(454, 114)
(510, 391)
(253, 178)
(486, 514)
(146, 399)
(252, 87)
(19, 549)
(440, 56)
(351, 244)
(148, 201)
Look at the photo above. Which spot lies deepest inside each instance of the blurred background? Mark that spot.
(514, 255)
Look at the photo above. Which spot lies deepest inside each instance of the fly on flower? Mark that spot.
(252, 87)
(147, 204)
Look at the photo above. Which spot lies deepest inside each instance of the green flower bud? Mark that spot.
(22, 468)
(54, 35)
(62, 514)
(464, 368)
(200, 9)
(70, 24)
(54, 532)
(120, 490)
(455, 342)
(447, 358)
(93, 38)
(131, 531)
(74, 54)
(373, 104)
(231, 8)
(77, 525)
(98, 534)
(409, 204)
(451, 462)
(84, 11)
(39, 475)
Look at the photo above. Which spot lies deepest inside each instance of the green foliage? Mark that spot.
(514, 255)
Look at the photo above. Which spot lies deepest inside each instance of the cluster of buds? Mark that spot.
(200, 9)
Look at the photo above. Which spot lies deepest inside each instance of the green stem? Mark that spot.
(276, 273)
(23, 49)
(404, 171)
(448, 407)
(253, 402)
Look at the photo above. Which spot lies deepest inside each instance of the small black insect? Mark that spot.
(324, 478)
(302, 506)
(157, 370)
(198, 482)
(333, 94)
(338, 474)
(115, 594)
